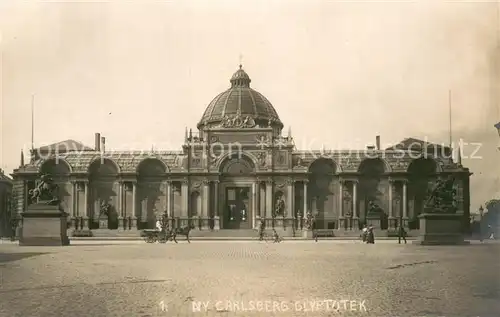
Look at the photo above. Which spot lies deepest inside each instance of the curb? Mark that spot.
(228, 239)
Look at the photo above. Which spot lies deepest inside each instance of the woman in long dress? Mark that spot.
(370, 236)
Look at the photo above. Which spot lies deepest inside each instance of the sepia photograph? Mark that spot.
(250, 158)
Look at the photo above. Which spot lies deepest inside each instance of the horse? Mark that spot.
(182, 231)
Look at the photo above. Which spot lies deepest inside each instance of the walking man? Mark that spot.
(314, 232)
(262, 227)
(401, 234)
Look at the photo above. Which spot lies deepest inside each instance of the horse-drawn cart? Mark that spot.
(155, 235)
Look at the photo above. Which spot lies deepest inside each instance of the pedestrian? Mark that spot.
(364, 232)
(262, 227)
(492, 234)
(401, 234)
(276, 237)
(314, 232)
(370, 239)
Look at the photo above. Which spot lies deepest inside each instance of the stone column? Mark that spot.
(290, 198)
(169, 200)
(185, 199)
(205, 204)
(405, 204)
(72, 213)
(217, 223)
(304, 213)
(391, 218)
(341, 200)
(262, 200)
(121, 212)
(134, 204)
(269, 199)
(254, 204)
(85, 213)
(355, 212)
(290, 203)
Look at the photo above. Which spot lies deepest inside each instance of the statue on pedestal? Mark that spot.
(104, 210)
(280, 207)
(442, 197)
(45, 192)
(374, 209)
(309, 220)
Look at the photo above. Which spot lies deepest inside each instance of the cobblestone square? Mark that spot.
(249, 278)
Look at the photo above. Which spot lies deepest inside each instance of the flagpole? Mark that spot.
(449, 111)
(32, 123)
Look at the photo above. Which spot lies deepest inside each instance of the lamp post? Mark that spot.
(481, 211)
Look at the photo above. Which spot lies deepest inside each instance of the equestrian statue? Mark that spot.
(46, 192)
(441, 197)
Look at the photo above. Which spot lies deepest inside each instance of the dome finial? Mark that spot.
(241, 61)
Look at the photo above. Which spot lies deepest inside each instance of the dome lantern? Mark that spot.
(240, 79)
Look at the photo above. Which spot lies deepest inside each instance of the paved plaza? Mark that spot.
(249, 278)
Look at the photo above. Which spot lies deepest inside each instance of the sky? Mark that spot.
(338, 72)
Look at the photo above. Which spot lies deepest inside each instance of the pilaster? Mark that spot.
(304, 213)
(185, 198)
(405, 203)
(205, 204)
(269, 198)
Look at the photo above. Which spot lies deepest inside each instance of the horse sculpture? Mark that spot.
(45, 191)
(442, 196)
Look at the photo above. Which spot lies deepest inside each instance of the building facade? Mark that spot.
(238, 168)
(5, 204)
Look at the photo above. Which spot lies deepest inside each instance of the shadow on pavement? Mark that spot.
(9, 257)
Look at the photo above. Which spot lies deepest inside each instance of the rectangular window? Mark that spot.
(231, 194)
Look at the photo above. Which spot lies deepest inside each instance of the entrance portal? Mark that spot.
(237, 208)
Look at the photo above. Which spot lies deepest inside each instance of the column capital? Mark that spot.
(184, 181)
(305, 181)
(206, 182)
(290, 181)
(269, 181)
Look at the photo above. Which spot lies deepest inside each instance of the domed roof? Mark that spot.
(240, 101)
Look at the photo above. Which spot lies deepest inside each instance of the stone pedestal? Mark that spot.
(440, 229)
(355, 223)
(103, 223)
(343, 223)
(216, 223)
(84, 225)
(392, 223)
(373, 221)
(133, 223)
(122, 223)
(44, 225)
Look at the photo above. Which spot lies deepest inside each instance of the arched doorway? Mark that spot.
(321, 193)
(152, 195)
(372, 188)
(103, 174)
(422, 172)
(237, 181)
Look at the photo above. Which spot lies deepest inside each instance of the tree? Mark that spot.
(492, 214)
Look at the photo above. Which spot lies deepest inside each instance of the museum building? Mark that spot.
(239, 168)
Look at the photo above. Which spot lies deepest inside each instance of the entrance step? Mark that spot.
(105, 233)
